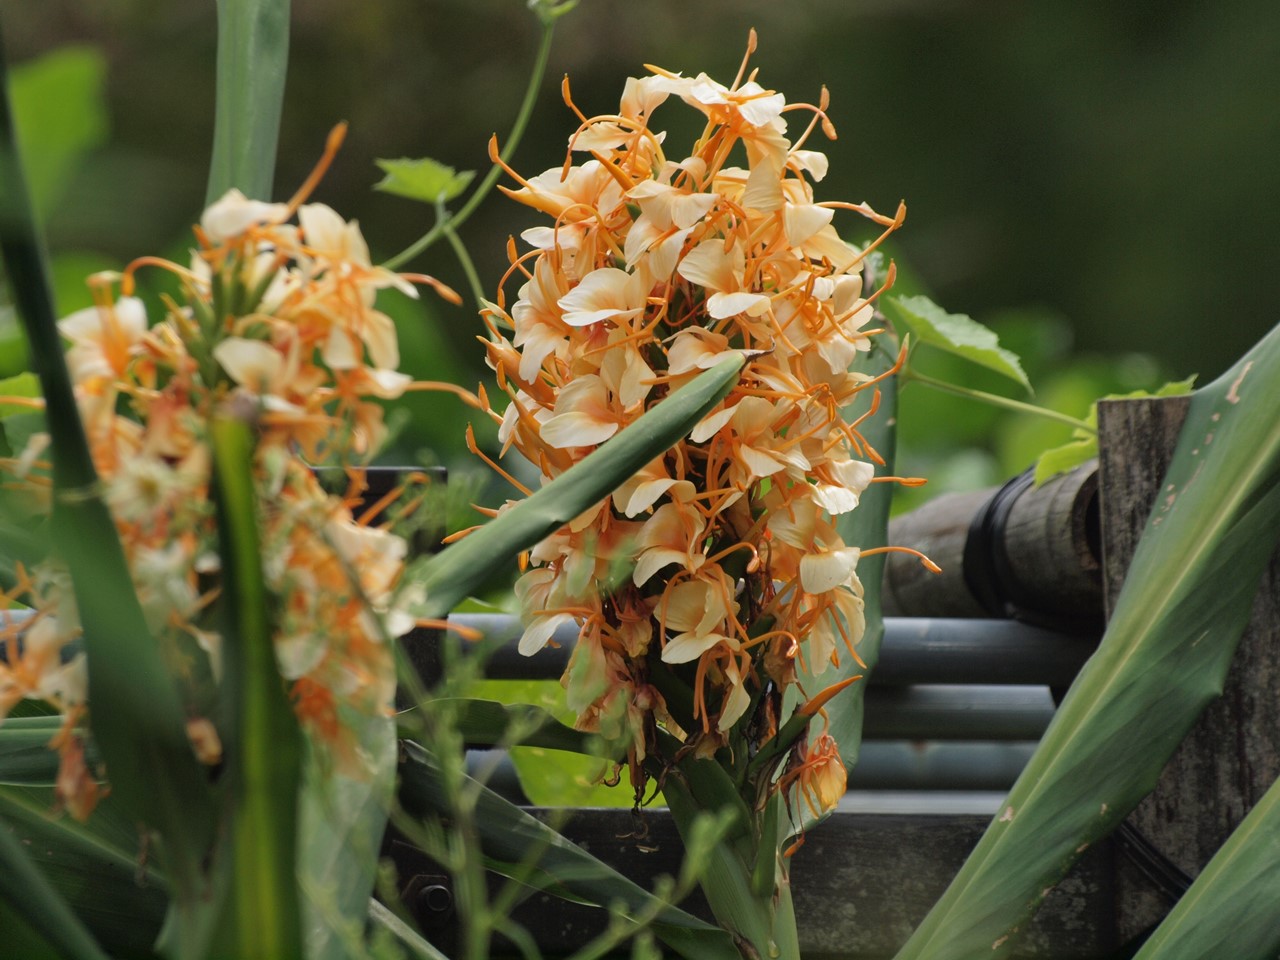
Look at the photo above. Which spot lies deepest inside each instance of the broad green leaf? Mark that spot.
(253, 55)
(427, 180)
(955, 333)
(263, 917)
(1084, 446)
(59, 106)
(138, 722)
(509, 836)
(462, 567)
(98, 869)
(1230, 910)
(1164, 656)
(13, 345)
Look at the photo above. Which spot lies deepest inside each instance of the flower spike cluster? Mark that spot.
(282, 315)
(703, 581)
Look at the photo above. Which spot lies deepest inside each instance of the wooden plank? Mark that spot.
(861, 883)
(1232, 755)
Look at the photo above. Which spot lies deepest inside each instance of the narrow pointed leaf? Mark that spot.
(1185, 602)
(264, 762)
(1230, 910)
(253, 53)
(954, 333)
(459, 569)
(509, 835)
(427, 180)
(23, 886)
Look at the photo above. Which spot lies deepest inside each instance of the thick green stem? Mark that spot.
(480, 192)
(996, 400)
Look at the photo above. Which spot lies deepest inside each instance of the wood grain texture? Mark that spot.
(1232, 755)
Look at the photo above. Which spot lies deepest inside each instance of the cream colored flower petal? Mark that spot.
(653, 560)
(380, 337)
(711, 424)
(759, 461)
(735, 705)
(802, 221)
(709, 266)
(724, 305)
(537, 634)
(575, 429)
(690, 646)
(342, 349)
(387, 384)
(323, 228)
(820, 572)
(251, 363)
(810, 161)
(607, 293)
(763, 191)
(234, 213)
(834, 499)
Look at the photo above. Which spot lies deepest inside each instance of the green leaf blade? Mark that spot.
(1185, 602)
(955, 333)
(253, 55)
(458, 570)
(265, 760)
(425, 179)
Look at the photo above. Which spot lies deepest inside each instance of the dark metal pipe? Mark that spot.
(915, 650)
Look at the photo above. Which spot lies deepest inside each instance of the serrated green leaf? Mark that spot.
(1084, 446)
(1065, 458)
(427, 180)
(956, 333)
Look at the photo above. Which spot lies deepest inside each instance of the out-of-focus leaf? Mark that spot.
(459, 569)
(508, 837)
(22, 385)
(405, 936)
(343, 820)
(253, 56)
(22, 885)
(263, 917)
(98, 868)
(1084, 446)
(1164, 656)
(427, 180)
(1230, 910)
(59, 106)
(955, 333)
